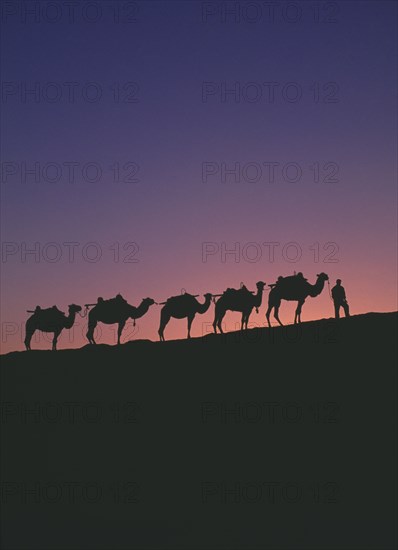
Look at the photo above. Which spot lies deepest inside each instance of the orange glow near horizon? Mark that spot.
(363, 298)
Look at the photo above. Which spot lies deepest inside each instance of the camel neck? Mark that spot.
(140, 310)
(258, 298)
(70, 319)
(317, 288)
(202, 308)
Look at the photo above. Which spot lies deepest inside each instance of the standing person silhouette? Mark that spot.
(340, 300)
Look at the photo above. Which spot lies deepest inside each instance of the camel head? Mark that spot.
(144, 305)
(260, 286)
(316, 289)
(68, 321)
(137, 312)
(258, 298)
(208, 296)
(73, 308)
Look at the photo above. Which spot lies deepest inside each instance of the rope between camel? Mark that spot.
(330, 294)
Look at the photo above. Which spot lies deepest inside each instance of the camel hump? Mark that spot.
(102, 302)
(52, 314)
(36, 311)
(116, 301)
(230, 292)
(180, 299)
(233, 292)
(278, 282)
(52, 309)
(291, 282)
(289, 279)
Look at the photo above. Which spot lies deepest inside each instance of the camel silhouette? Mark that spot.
(293, 288)
(115, 310)
(50, 320)
(181, 307)
(242, 300)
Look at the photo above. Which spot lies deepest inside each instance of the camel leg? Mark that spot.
(120, 330)
(28, 337)
(190, 319)
(55, 339)
(215, 324)
(220, 317)
(276, 315)
(216, 315)
(92, 323)
(273, 304)
(268, 314)
(301, 307)
(297, 317)
(164, 319)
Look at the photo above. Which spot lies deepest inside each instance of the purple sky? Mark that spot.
(343, 126)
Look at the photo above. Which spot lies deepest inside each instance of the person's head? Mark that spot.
(338, 282)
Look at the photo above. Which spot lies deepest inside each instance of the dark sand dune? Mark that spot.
(281, 438)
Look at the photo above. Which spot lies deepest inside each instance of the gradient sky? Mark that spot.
(170, 50)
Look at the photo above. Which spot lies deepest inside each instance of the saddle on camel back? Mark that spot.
(116, 301)
(180, 298)
(234, 293)
(291, 282)
(50, 312)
